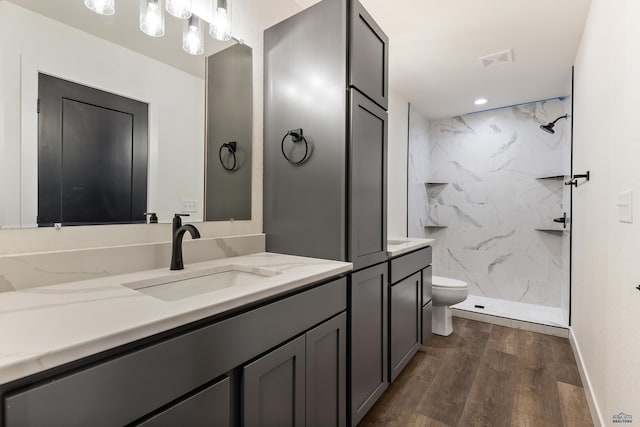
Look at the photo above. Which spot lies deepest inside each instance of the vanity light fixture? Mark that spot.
(193, 36)
(101, 7)
(152, 18)
(480, 101)
(220, 26)
(179, 8)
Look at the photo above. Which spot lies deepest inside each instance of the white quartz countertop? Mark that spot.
(48, 326)
(403, 245)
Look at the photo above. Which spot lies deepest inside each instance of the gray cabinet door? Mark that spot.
(405, 322)
(210, 407)
(367, 183)
(369, 311)
(326, 373)
(274, 387)
(369, 52)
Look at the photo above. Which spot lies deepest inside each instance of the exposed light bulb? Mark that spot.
(480, 101)
(179, 8)
(193, 36)
(152, 18)
(102, 7)
(220, 26)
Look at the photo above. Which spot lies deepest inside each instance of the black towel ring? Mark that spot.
(231, 147)
(296, 136)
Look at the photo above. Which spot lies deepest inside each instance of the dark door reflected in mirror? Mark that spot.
(92, 155)
(229, 122)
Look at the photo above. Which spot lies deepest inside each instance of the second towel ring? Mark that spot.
(296, 136)
(231, 147)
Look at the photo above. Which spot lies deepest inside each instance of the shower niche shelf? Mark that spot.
(436, 183)
(551, 230)
(436, 226)
(552, 177)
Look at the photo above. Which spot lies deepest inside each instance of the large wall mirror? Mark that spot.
(103, 123)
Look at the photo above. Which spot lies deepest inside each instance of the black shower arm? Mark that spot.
(561, 117)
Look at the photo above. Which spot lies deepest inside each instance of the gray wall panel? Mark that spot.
(305, 81)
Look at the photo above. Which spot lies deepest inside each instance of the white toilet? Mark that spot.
(446, 292)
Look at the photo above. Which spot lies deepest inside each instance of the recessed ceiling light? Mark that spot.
(480, 101)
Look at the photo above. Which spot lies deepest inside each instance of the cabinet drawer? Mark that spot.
(369, 52)
(410, 263)
(427, 285)
(427, 310)
(208, 408)
(122, 390)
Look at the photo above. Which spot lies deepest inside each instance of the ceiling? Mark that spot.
(435, 46)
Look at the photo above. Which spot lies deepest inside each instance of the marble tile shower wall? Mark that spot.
(483, 184)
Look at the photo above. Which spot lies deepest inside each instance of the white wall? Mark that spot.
(605, 303)
(176, 127)
(397, 165)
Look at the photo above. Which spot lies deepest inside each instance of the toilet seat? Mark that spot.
(447, 282)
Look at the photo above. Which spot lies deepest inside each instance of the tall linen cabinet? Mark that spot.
(326, 74)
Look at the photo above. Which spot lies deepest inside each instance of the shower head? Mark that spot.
(549, 126)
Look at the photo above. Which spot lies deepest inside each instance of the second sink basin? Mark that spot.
(195, 282)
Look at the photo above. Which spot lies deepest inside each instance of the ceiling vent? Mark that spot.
(498, 58)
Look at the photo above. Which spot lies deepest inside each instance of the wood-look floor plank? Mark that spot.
(486, 375)
(519, 419)
(509, 340)
(446, 396)
(575, 411)
(447, 393)
(564, 362)
(537, 395)
(490, 400)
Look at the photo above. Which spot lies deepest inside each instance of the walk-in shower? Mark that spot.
(488, 186)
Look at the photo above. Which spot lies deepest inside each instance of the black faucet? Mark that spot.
(176, 240)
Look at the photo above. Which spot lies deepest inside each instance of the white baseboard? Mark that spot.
(596, 416)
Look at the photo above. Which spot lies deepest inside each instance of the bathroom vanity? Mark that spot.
(117, 351)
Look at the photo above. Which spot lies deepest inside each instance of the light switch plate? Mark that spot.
(189, 206)
(625, 205)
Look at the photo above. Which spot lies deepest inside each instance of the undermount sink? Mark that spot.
(190, 283)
